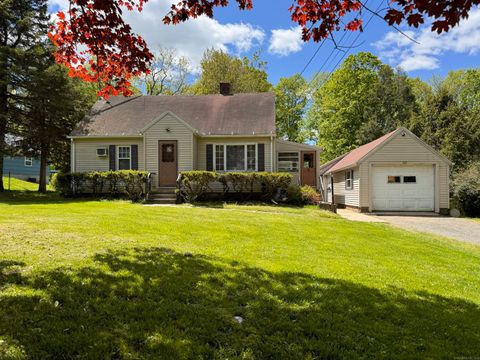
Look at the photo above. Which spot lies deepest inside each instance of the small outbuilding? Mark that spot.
(397, 172)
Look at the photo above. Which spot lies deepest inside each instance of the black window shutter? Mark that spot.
(112, 157)
(261, 157)
(209, 157)
(134, 157)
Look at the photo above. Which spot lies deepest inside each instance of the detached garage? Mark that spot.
(397, 172)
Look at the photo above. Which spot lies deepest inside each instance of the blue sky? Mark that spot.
(268, 29)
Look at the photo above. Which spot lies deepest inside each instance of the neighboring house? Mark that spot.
(168, 134)
(397, 172)
(18, 166)
(21, 167)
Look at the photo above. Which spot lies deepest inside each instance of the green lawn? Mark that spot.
(20, 185)
(110, 279)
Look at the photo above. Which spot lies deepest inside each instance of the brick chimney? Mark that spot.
(225, 89)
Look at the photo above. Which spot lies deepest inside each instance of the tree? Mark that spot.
(116, 54)
(392, 104)
(244, 75)
(339, 106)
(22, 23)
(168, 74)
(449, 118)
(53, 104)
(291, 101)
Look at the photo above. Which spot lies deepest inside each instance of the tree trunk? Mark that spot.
(3, 129)
(42, 184)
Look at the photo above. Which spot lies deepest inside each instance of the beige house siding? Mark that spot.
(444, 172)
(84, 153)
(405, 150)
(344, 196)
(177, 131)
(195, 151)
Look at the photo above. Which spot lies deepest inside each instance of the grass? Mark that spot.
(20, 185)
(110, 279)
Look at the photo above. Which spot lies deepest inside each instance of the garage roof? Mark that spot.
(354, 157)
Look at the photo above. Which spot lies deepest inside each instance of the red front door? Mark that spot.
(167, 162)
(309, 168)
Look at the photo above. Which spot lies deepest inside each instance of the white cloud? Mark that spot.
(400, 51)
(286, 41)
(192, 38)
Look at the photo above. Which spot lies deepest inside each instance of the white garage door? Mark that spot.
(403, 188)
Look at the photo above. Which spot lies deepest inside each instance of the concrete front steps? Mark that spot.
(163, 196)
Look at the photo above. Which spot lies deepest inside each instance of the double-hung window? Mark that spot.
(349, 179)
(124, 158)
(28, 161)
(219, 157)
(236, 157)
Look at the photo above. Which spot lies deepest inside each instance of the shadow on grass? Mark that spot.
(156, 303)
(223, 204)
(27, 197)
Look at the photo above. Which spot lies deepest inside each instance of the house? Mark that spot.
(22, 167)
(397, 172)
(17, 165)
(168, 134)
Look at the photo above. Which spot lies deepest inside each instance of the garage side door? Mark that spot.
(403, 188)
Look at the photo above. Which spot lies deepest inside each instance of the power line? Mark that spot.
(313, 57)
(351, 46)
(336, 48)
(348, 49)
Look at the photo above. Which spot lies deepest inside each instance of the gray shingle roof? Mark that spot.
(239, 114)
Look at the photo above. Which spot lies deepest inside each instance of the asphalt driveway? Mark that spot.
(455, 228)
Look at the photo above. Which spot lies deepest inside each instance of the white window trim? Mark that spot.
(28, 158)
(298, 164)
(245, 145)
(349, 187)
(118, 156)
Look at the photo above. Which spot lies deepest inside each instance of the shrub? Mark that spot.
(69, 183)
(194, 184)
(305, 195)
(239, 182)
(130, 183)
(466, 190)
(134, 182)
(310, 195)
(272, 183)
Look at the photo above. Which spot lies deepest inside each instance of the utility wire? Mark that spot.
(346, 52)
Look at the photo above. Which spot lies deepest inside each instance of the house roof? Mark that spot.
(300, 145)
(239, 114)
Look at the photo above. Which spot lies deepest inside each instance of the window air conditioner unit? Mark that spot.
(102, 152)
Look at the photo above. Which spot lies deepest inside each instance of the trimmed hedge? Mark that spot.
(129, 183)
(194, 184)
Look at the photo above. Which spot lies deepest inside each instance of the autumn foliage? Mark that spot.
(96, 44)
